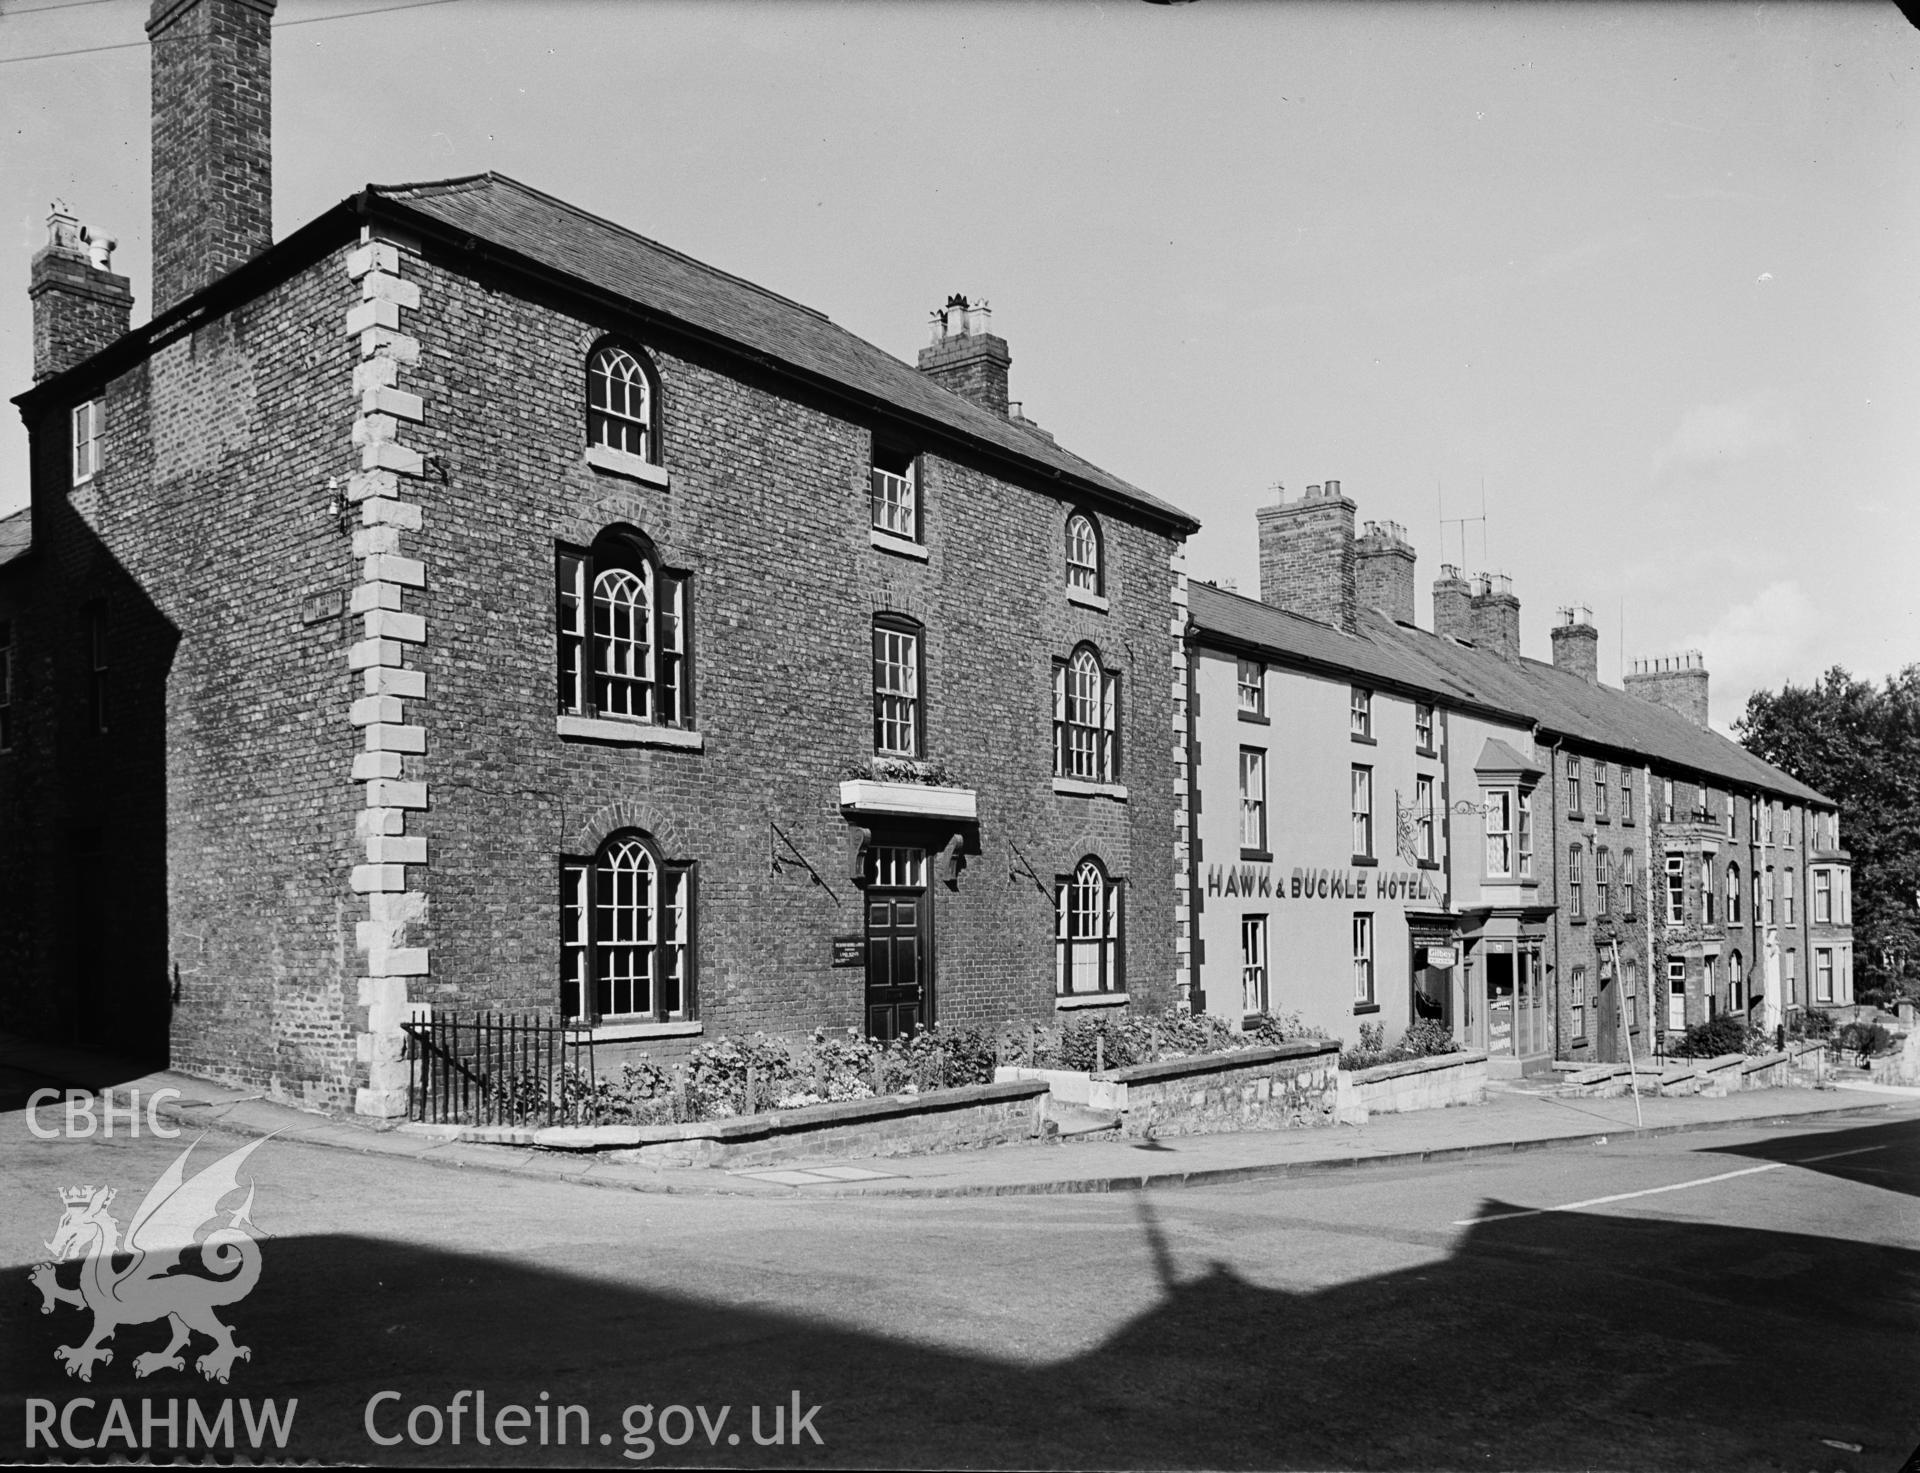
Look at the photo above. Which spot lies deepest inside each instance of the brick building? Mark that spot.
(467, 602)
(1396, 823)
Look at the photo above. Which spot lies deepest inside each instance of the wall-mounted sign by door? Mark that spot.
(849, 951)
(1442, 957)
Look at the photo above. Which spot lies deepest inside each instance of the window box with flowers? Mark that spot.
(904, 786)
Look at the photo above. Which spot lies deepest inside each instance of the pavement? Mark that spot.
(1520, 1115)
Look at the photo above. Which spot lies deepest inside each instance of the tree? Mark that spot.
(1860, 745)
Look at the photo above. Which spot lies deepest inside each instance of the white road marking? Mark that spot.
(1673, 1187)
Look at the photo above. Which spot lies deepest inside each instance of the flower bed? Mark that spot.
(1421, 1040)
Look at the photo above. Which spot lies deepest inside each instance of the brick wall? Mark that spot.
(768, 511)
(183, 880)
(1307, 558)
(184, 866)
(212, 143)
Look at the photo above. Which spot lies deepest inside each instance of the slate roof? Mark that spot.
(16, 534)
(1497, 756)
(520, 219)
(1558, 703)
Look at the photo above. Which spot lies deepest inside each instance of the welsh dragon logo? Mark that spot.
(143, 1278)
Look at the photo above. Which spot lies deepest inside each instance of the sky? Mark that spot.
(1631, 280)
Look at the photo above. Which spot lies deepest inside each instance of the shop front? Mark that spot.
(1503, 984)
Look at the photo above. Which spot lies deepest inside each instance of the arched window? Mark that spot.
(626, 924)
(1086, 718)
(622, 621)
(899, 713)
(621, 402)
(1087, 931)
(1733, 895)
(1736, 982)
(1085, 570)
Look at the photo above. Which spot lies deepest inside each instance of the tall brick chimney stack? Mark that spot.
(966, 357)
(1383, 562)
(79, 305)
(1678, 682)
(1306, 556)
(1496, 615)
(1452, 604)
(1576, 644)
(212, 74)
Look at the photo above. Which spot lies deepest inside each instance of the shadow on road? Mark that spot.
(1881, 1155)
(1553, 1341)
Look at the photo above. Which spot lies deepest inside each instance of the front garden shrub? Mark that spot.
(1424, 1039)
(1724, 1034)
(715, 1075)
(1371, 1049)
(1810, 1023)
(1863, 1040)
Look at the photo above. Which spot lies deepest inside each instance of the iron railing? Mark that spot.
(493, 1068)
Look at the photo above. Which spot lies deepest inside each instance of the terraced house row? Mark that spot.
(1398, 823)
(466, 602)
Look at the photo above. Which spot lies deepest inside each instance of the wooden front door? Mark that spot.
(1607, 1014)
(899, 950)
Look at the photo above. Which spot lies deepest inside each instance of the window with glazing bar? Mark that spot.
(1362, 786)
(620, 402)
(893, 481)
(622, 623)
(1360, 713)
(897, 709)
(1087, 932)
(1253, 964)
(1423, 818)
(1086, 718)
(1362, 957)
(1253, 801)
(626, 919)
(88, 420)
(1084, 570)
(1251, 684)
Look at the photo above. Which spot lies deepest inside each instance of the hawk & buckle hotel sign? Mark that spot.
(1263, 881)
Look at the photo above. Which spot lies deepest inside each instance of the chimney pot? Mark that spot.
(1308, 560)
(1496, 615)
(965, 356)
(1384, 570)
(79, 306)
(1576, 643)
(1678, 682)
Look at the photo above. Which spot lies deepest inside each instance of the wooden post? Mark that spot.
(1099, 1053)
